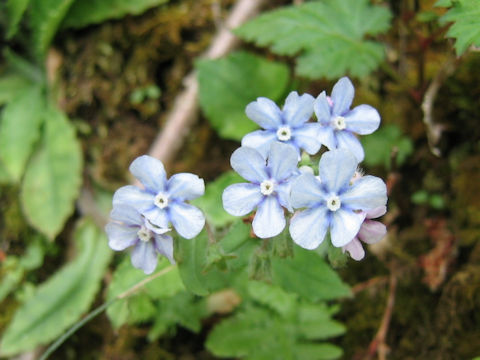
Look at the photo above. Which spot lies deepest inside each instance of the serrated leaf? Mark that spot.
(327, 35)
(45, 18)
(272, 296)
(227, 86)
(63, 298)
(465, 15)
(307, 275)
(314, 322)
(20, 129)
(86, 12)
(53, 176)
(16, 9)
(317, 351)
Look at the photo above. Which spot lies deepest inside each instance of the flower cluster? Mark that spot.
(338, 201)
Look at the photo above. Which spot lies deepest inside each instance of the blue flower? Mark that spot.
(269, 188)
(333, 203)
(163, 201)
(288, 125)
(129, 228)
(339, 123)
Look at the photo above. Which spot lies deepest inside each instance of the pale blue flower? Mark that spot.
(333, 203)
(269, 188)
(129, 228)
(288, 125)
(339, 123)
(162, 201)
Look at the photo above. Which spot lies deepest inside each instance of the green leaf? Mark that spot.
(12, 86)
(20, 129)
(227, 86)
(326, 35)
(307, 275)
(53, 176)
(45, 18)
(314, 322)
(272, 296)
(465, 15)
(15, 9)
(317, 351)
(86, 12)
(63, 298)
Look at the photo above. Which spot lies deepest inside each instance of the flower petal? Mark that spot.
(306, 191)
(157, 216)
(186, 219)
(185, 186)
(377, 212)
(249, 164)
(164, 245)
(260, 140)
(345, 225)
(240, 199)
(307, 138)
(120, 236)
(308, 228)
(133, 196)
(156, 229)
(363, 120)
(336, 168)
(282, 161)
(372, 231)
(355, 249)
(298, 109)
(342, 96)
(126, 214)
(368, 192)
(283, 194)
(265, 113)
(144, 256)
(326, 136)
(346, 140)
(269, 220)
(322, 109)
(150, 172)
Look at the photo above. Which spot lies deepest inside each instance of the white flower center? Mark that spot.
(284, 133)
(144, 234)
(339, 123)
(267, 187)
(334, 203)
(161, 200)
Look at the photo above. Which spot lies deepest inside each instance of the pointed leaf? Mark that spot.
(16, 9)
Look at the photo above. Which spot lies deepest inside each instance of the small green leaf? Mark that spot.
(314, 322)
(63, 298)
(86, 12)
(16, 9)
(20, 129)
(12, 86)
(53, 176)
(272, 296)
(317, 351)
(227, 86)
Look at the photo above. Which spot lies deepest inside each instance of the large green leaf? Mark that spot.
(465, 15)
(327, 35)
(53, 176)
(63, 298)
(86, 12)
(16, 9)
(227, 86)
(12, 86)
(20, 129)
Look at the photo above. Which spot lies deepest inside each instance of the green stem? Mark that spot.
(100, 309)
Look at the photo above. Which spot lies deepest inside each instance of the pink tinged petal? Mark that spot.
(298, 109)
(308, 228)
(282, 161)
(346, 140)
(150, 172)
(185, 186)
(306, 191)
(157, 216)
(326, 136)
(260, 140)
(164, 245)
(186, 219)
(342, 96)
(133, 196)
(120, 236)
(372, 231)
(344, 226)
(265, 113)
(336, 168)
(307, 137)
(126, 214)
(269, 220)
(249, 164)
(144, 256)
(355, 249)
(377, 212)
(241, 199)
(363, 120)
(366, 193)
(322, 109)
